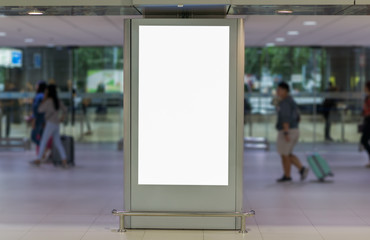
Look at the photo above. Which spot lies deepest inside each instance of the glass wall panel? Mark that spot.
(98, 100)
(327, 83)
(90, 83)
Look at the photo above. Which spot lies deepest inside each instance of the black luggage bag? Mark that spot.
(68, 144)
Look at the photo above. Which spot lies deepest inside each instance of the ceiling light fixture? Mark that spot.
(29, 40)
(309, 23)
(285, 11)
(35, 12)
(2, 34)
(293, 33)
(280, 39)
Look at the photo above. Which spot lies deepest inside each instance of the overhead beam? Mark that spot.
(175, 2)
(70, 3)
(245, 2)
(182, 2)
(293, 2)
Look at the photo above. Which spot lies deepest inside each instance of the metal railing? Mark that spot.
(11, 142)
(242, 215)
(24, 143)
(256, 143)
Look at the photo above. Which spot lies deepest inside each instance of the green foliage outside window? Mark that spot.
(95, 58)
(286, 61)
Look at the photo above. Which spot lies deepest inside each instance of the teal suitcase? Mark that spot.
(319, 166)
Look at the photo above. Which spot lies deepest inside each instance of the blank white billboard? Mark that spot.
(183, 105)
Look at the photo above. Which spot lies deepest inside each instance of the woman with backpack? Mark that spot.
(52, 108)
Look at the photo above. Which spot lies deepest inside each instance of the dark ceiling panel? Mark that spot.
(71, 11)
(358, 10)
(185, 11)
(189, 11)
(297, 10)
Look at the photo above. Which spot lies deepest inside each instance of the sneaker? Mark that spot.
(65, 166)
(35, 162)
(284, 179)
(304, 172)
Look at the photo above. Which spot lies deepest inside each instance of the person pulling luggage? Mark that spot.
(51, 106)
(288, 118)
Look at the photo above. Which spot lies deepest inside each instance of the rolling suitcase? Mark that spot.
(68, 144)
(319, 166)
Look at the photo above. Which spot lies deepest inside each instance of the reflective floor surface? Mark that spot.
(75, 204)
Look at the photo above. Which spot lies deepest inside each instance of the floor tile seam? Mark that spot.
(258, 227)
(83, 235)
(142, 238)
(33, 226)
(357, 215)
(313, 225)
(24, 235)
(93, 222)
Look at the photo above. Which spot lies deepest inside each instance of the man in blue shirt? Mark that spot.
(288, 134)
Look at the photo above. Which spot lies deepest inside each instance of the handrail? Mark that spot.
(242, 215)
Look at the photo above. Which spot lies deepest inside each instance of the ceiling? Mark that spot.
(336, 30)
(329, 30)
(61, 31)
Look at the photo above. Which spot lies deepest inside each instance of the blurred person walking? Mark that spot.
(8, 108)
(38, 119)
(51, 106)
(365, 138)
(328, 105)
(86, 120)
(84, 103)
(288, 118)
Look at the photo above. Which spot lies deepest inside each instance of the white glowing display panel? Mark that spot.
(183, 105)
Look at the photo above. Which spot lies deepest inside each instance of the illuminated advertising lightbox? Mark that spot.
(183, 105)
(10, 57)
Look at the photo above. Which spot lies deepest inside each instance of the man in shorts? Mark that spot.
(288, 134)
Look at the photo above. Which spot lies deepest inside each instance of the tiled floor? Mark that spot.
(54, 204)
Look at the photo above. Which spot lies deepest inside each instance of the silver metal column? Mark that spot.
(184, 198)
